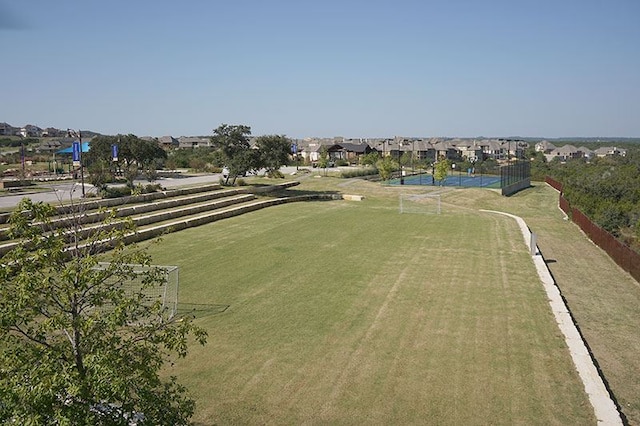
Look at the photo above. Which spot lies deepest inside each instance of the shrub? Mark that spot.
(275, 174)
(152, 187)
(368, 171)
(116, 192)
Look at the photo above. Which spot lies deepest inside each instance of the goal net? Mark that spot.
(164, 287)
(420, 203)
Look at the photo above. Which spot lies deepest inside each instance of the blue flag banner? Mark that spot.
(76, 153)
(114, 152)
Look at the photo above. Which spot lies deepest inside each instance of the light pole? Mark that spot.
(413, 148)
(78, 134)
(400, 163)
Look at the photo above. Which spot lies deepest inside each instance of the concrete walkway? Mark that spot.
(605, 410)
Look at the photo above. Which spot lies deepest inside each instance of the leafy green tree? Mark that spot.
(370, 159)
(77, 346)
(441, 170)
(98, 159)
(405, 158)
(323, 160)
(274, 152)
(233, 143)
(100, 173)
(133, 154)
(386, 166)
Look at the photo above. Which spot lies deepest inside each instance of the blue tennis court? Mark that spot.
(464, 180)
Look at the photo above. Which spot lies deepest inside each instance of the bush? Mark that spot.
(275, 174)
(368, 171)
(116, 192)
(152, 187)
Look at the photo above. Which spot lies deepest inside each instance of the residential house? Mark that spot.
(586, 152)
(445, 149)
(564, 153)
(193, 142)
(309, 149)
(311, 152)
(7, 129)
(545, 147)
(168, 142)
(423, 150)
(609, 151)
(30, 131)
(52, 132)
(49, 146)
(470, 150)
(492, 148)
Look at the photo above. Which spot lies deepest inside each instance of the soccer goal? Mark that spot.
(164, 287)
(420, 203)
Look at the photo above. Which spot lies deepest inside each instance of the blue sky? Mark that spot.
(324, 68)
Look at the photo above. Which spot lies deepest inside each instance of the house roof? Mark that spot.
(50, 144)
(168, 140)
(565, 149)
(545, 145)
(585, 150)
(354, 147)
(609, 150)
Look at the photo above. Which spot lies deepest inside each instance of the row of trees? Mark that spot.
(231, 150)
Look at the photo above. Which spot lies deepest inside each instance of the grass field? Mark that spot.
(348, 313)
(603, 299)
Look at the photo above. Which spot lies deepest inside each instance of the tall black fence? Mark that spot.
(514, 177)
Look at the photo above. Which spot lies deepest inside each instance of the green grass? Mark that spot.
(602, 297)
(349, 313)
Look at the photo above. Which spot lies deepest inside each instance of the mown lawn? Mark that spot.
(349, 313)
(603, 299)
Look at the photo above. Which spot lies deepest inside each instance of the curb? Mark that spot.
(604, 408)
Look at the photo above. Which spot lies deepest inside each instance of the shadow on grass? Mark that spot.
(290, 193)
(200, 310)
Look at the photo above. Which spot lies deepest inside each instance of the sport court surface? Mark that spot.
(464, 180)
(346, 313)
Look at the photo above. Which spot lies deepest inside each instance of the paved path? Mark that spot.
(63, 191)
(605, 410)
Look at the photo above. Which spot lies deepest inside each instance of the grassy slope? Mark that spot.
(603, 299)
(346, 312)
